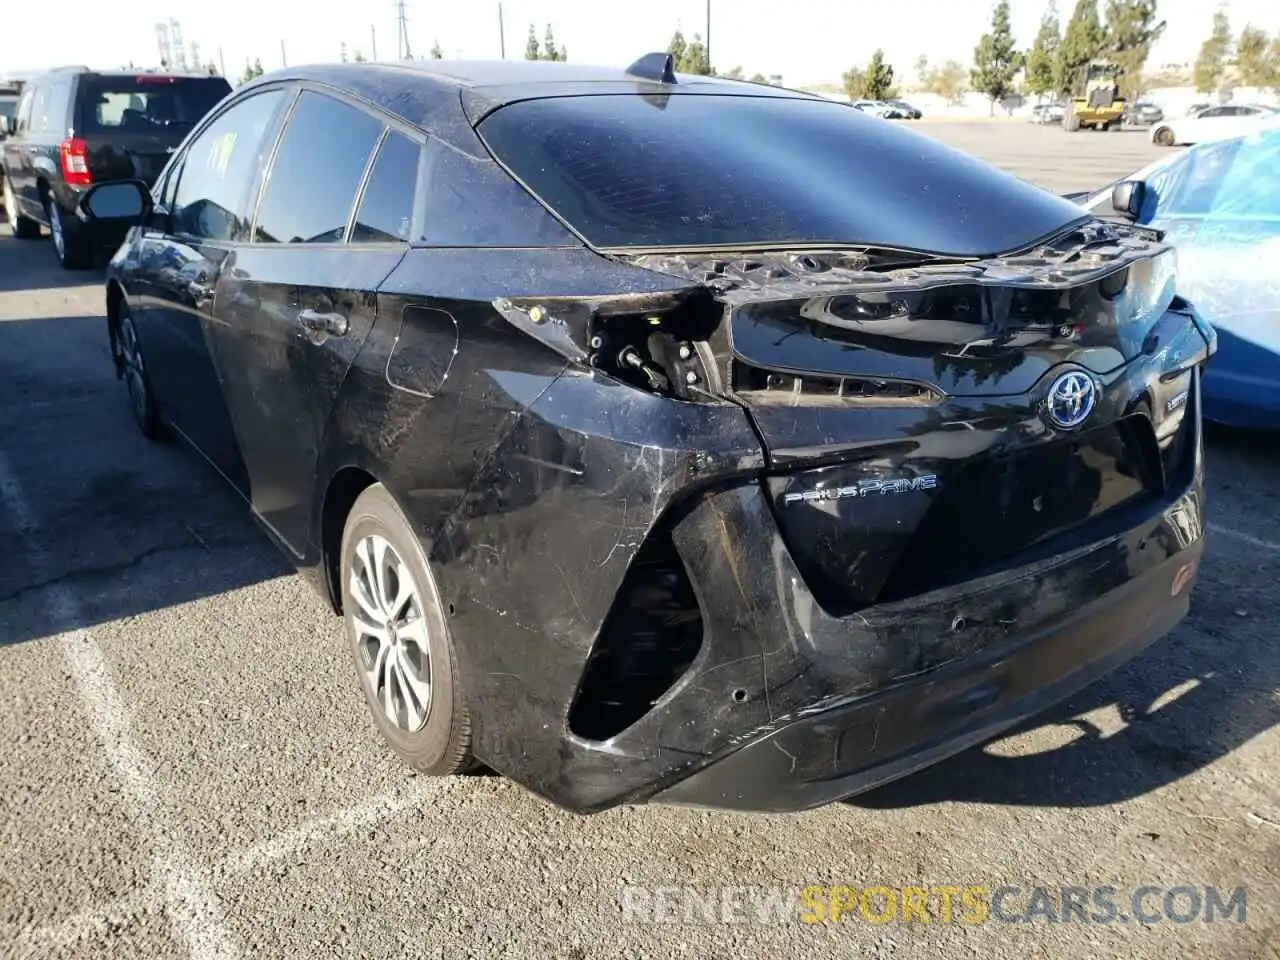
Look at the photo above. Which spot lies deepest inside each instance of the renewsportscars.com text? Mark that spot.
(942, 903)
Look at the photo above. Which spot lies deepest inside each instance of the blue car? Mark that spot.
(1219, 205)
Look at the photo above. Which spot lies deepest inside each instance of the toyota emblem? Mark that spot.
(1071, 399)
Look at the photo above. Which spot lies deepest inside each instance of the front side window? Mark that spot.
(212, 197)
(386, 209)
(316, 172)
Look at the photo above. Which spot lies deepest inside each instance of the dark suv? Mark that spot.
(76, 127)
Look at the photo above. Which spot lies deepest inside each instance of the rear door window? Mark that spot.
(151, 104)
(218, 169)
(386, 209)
(316, 172)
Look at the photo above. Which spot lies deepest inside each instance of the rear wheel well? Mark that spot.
(115, 297)
(347, 484)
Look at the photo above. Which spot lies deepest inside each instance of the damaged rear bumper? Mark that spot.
(833, 752)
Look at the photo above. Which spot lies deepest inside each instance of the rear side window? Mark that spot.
(690, 170)
(472, 202)
(212, 198)
(386, 209)
(316, 172)
(147, 104)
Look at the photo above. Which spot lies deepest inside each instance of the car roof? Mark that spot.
(422, 93)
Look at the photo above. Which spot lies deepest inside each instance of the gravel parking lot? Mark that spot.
(187, 768)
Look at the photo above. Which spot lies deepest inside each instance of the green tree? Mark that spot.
(1256, 58)
(549, 49)
(855, 83)
(948, 81)
(734, 74)
(531, 49)
(1082, 42)
(879, 78)
(1275, 66)
(358, 57)
(1211, 64)
(677, 48)
(759, 78)
(1132, 29)
(922, 71)
(996, 60)
(1044, 53)
(695, 58)
(436, 52)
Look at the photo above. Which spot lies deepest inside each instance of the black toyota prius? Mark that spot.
(668, 438)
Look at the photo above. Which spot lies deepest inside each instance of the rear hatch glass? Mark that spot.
(132, 124)
(155, 105)
(696, 171)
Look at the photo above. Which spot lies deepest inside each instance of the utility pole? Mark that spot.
(708, 34)
(502, 33)
(402, 39)
(284, 61)
(222, 64)
(373, 42)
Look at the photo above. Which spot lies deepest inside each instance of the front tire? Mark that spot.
(24, 228)
(1164, 137)
(399, 638)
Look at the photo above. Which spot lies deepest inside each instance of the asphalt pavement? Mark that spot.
(187, 768)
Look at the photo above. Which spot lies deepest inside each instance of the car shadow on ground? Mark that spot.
(1195, 696)
(89, 505)
(40, 269)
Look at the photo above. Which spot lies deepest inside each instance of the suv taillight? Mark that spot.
(75, 162)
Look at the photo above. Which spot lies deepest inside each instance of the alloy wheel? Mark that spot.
(134, 377)
(55, 228)
(390, 628)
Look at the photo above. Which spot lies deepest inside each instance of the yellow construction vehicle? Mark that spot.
(1096, 102)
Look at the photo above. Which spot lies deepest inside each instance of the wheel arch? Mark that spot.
(340, 495)
(115, 299)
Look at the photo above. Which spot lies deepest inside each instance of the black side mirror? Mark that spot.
(1127, 197)
(116, 200)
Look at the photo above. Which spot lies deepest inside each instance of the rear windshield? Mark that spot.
(697, 171)
(156, 105)
(8, 106)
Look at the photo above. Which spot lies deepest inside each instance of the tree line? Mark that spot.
(1255, 57)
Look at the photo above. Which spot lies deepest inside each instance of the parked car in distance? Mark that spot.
(878, 108)
(1044, 113)
(76, 127)
(1213, 123)
(1219, 204)
(644, 468)
(906, 110)
(1142, 113)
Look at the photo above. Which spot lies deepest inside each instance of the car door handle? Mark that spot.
(330, 324)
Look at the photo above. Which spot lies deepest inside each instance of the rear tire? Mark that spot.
(1164, 137)
(68, 243)
(399, 638)
(142, 400)
(24, 228)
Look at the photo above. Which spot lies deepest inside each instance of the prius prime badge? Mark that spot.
(1071, 399)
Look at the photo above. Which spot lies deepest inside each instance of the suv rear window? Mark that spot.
(690, 170)
(157, 105)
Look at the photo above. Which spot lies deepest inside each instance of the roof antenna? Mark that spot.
(654, 66)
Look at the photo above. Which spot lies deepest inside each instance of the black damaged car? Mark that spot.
(666, 438)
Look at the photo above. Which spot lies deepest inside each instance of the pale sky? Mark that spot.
(807, 41)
